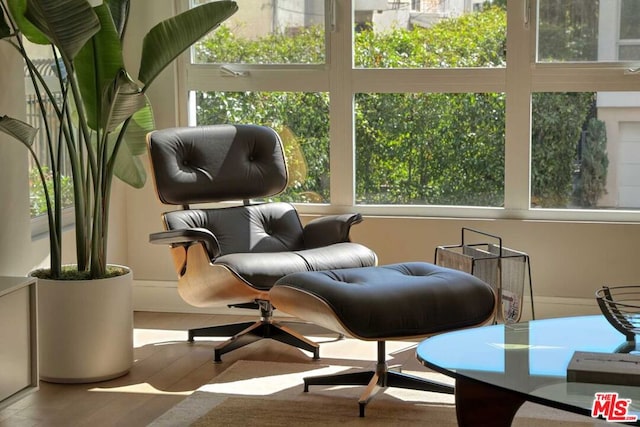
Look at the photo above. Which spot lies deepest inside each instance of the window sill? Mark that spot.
(40, 225)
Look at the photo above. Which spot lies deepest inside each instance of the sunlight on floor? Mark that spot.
(251, 378)
(267, 385)
(142, 337)
(141, 388)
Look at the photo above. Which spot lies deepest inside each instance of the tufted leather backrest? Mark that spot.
(266, 227)
(216, 163)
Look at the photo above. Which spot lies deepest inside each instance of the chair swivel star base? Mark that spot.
(382, 377)
(245, 333)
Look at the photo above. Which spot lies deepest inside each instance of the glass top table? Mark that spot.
(497, 368)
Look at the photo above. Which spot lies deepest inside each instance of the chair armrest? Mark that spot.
(187, 236)
(329, 229)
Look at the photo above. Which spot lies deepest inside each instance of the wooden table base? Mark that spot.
(479, 404)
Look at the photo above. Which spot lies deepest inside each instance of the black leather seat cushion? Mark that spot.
(264, 242)
(262, 270)
(399, 300)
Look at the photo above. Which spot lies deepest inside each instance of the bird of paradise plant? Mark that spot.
(104, 114)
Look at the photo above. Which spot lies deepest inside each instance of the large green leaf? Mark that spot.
(98, 64)
(121, 100)
(18, 129)
(171, 37)
(68, 24)
(120, 13)
(18, 8)
(128, 168)
(140, 125)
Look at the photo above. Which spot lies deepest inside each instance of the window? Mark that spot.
(300, 118)
(568, 30)
(267, 32)
(430, 149)
(591, 161)
(397, 38)
(267, 65)
(629, 48)
(46, 65)
(465, 108)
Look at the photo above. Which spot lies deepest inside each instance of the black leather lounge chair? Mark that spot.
(232, 255)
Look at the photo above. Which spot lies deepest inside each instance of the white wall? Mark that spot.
(14, 199)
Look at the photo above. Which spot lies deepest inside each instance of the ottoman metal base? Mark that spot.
(382, 377)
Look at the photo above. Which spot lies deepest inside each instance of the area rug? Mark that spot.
(251, 393)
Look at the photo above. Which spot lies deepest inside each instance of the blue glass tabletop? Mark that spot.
(530, 358)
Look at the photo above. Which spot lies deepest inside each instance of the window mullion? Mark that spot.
(341, 116)
(518, 110)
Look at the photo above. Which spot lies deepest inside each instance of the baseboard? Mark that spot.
(162, 296)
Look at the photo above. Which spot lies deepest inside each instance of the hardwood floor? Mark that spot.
(167, 369)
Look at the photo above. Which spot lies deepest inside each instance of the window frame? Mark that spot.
(521, 77)
(620, 42)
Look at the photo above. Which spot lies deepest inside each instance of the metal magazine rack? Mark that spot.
(504, 269)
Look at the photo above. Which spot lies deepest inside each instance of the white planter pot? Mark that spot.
(85, 329)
